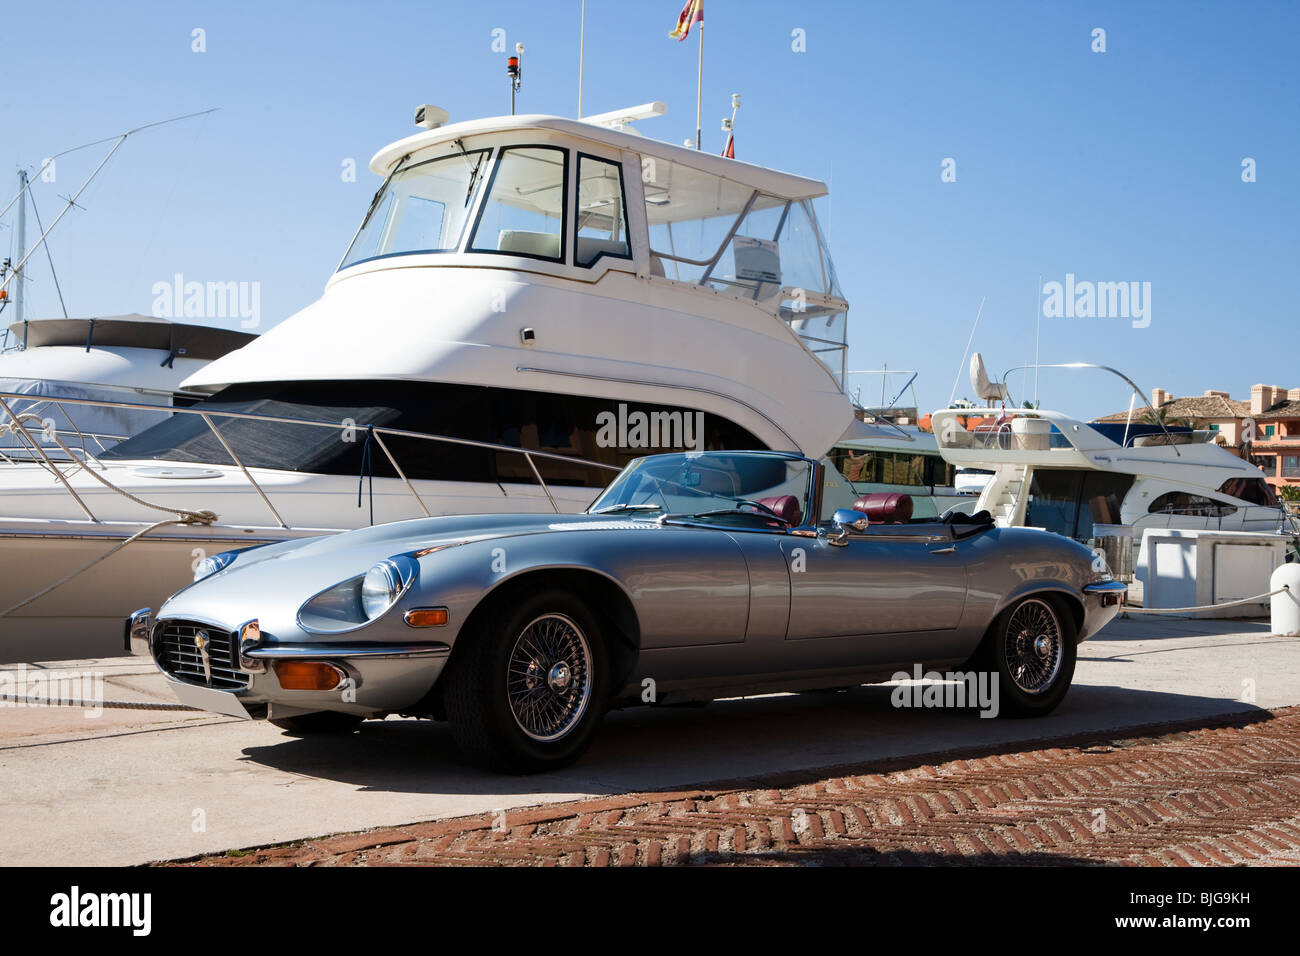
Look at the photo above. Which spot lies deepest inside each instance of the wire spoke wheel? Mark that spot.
(1034, 647)
(549, 677)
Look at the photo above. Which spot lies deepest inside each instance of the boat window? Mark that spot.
(1254, 490)
(422, 208)
(690, 215)
(1183, 503)
(1071, 502)
(713, 232)
(523, 214)
(874, 467)
(601, 220)
(1054, 500)
(594, 429)
(1101, 501)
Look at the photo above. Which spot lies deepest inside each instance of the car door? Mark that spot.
(886, 580)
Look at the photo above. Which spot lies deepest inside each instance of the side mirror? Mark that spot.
(846, 520)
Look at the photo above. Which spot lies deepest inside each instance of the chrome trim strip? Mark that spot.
(327, 651)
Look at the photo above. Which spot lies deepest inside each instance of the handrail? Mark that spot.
(17, 422)
(1105, 368)
(207, 414)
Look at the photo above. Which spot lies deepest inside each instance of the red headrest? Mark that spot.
(885, 507)
(787, 506)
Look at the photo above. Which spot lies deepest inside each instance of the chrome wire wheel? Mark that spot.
(548, 677)
(1035, 646)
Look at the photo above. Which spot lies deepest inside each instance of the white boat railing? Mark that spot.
(43, 454)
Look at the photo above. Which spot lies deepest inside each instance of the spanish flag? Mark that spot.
(692, 14)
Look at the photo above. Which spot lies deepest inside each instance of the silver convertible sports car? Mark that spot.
(693, 576)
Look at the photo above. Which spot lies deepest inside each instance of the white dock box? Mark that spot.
(1184, 568)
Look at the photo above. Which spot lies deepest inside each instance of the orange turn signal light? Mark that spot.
(427, 617)
(308, 675)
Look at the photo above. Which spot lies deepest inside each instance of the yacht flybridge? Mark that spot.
(529, 302)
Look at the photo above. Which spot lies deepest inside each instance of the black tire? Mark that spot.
(321, 722)
(562, 699)
(1032, 647)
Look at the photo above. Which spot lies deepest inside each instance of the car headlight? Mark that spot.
(214, 563)
(359, 600)
(380, 588)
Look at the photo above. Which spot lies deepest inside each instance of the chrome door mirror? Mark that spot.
(844, 521)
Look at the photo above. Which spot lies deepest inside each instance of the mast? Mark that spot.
(22, 252)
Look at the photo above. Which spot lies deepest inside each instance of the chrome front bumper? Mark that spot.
(384, 677)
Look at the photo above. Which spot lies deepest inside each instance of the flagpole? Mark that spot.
(582, 48)
(699, 94)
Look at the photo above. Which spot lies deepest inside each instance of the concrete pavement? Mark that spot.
(129, 786)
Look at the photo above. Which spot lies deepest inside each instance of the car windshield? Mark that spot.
(713, 485)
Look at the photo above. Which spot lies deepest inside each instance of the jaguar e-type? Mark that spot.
(692, 576)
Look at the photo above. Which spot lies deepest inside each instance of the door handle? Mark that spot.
(951, 549)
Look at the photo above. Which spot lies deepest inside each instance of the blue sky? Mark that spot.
(1117, 166)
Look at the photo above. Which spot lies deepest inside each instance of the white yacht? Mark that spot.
(1052, 471)
(133, 358)
(529, 302)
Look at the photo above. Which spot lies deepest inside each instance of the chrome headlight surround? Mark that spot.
(360, 600)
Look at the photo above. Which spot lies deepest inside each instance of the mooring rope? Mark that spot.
(183, 517)
(1204, 607)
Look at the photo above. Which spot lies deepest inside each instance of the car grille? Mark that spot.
(178, 654)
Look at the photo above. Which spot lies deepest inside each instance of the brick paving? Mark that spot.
(1218, 793)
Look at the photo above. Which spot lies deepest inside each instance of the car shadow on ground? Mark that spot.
(796, 736)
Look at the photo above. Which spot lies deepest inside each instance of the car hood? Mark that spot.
(290, 572)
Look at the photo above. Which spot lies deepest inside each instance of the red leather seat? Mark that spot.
(885, 507)
(787, 506)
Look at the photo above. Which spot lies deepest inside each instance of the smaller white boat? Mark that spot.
(1100, 483)
(121, 358)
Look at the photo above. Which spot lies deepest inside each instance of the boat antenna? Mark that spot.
(515, 72)
(49, 257)
(71, 202)
(1038, 332)
(582, 51)
(962, 365)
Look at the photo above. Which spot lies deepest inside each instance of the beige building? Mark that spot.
(1273, 413)
(1214, 410)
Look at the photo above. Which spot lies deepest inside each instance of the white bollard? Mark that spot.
(1285, 607)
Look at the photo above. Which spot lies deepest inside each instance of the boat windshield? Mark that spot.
(421, 208)
(712, 485)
